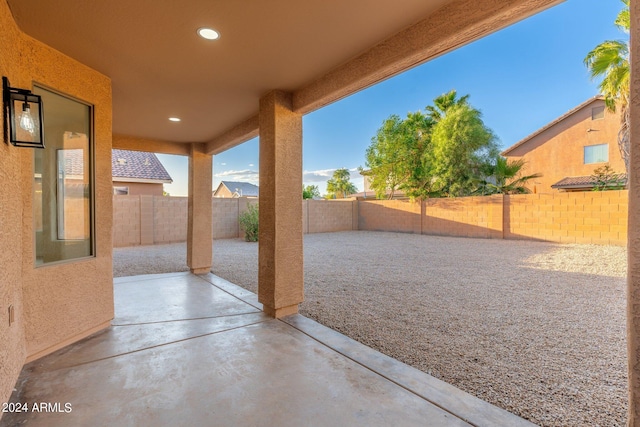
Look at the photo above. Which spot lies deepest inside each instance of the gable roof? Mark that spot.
(137, 165)
(552, 124)
(586, 181)
(244, 189)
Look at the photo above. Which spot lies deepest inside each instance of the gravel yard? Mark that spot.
(535, 328)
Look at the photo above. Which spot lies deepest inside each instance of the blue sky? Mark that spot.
(521, 78)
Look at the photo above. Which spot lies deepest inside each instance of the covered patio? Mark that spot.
(198, 350)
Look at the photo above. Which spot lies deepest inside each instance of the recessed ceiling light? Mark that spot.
(208, 33)
(174, 119)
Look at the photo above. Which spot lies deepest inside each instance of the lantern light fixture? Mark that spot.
(24, 111)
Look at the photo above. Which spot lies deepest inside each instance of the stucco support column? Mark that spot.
(633, 275)
(280, 273)
(200, 222)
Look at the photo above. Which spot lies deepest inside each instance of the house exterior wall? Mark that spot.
(13, 347)
(558, 152)
(141, 188)
(223, 192)
(54, 304)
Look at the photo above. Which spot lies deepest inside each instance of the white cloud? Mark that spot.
(246, 175)
(223, 164)
(251, 165)
(323, 175)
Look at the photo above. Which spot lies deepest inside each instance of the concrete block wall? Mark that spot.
(580, 217)
(169, 219)
(324, 216)
(390, 215)
(464, 217)
(225, 217)
(126, 221)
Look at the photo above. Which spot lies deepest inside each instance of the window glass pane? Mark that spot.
(120, 191)
(596, 153)
(63, 181)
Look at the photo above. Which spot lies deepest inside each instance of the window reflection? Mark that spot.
(63, 182)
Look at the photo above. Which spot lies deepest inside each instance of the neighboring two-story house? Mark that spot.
(568, 150)
(138, 173)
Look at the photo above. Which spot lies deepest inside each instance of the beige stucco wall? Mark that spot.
(12, 347)
(558, 152)
(141, 188)
(65, 302)
(55, 304)
(223, 192)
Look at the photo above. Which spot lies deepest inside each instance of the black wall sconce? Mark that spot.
(25, 114)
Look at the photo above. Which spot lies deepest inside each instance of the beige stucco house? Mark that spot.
(112, 74)
(568, 150)
(136, 173)
(235, 189)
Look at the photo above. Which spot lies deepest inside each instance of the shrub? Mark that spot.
(249, 223)
(604, 178)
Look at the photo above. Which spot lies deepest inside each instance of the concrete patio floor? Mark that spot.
(197, 350)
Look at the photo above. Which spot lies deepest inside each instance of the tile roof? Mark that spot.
(137, 165)
(585, 181)
(244, 189)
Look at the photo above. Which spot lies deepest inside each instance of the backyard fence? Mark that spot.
(148, 220)
(580, 217)
(577, 217)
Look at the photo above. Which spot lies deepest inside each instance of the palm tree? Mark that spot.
(504, 177)
(340, 184)
(610, 61)
(443, 103)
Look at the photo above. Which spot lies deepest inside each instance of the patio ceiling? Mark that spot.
(319, 50)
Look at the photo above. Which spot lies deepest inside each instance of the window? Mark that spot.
(120, 191)
(597, 113)
(63, 181)
(596, 153)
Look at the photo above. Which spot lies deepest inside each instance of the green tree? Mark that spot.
(434, 153)
(504, 177)
(395, 158)
(385, 156)
(610, 61)
(462, 147)
(340, 186)
(444, 103)
(310, 192)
